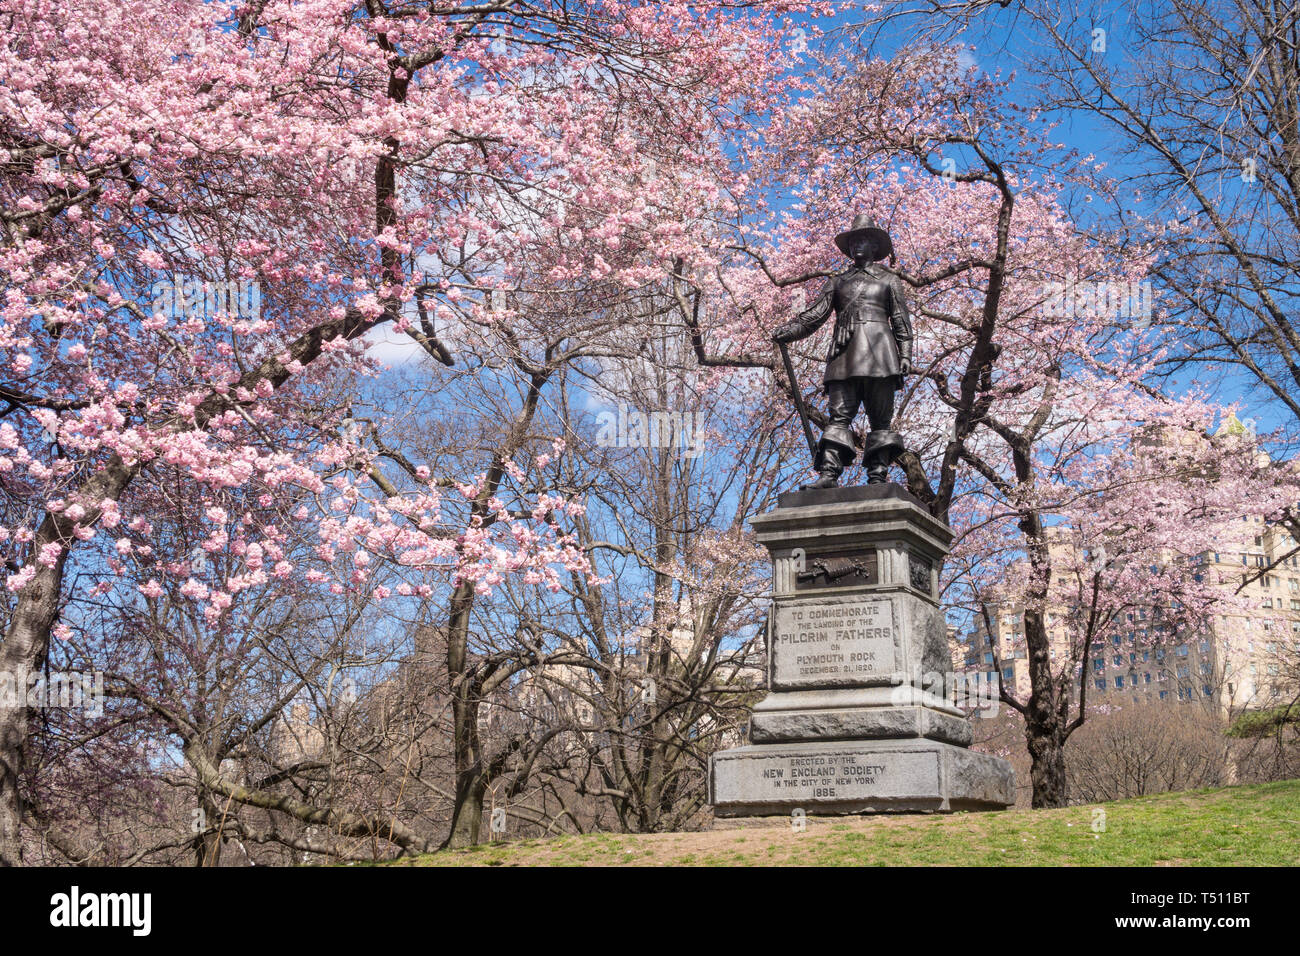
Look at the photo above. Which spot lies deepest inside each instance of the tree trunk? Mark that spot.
(23, 650)
(467, 749)
(471, 788)
(207, 845)
(1048, 769)
(1046, 724)
(466, 685)
(28, 641)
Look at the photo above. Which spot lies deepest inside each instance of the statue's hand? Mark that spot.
(786, 333)
(904, 366)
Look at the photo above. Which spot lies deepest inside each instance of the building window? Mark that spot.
(1146, 678)
(1206, 689)
(1118, 660)
(1099, 665)
(1119, 682)
(1182, 650)
(1101, 683)
(1164, 694)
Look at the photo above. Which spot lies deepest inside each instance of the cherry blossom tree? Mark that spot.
(208, 206)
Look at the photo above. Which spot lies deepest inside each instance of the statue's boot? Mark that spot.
(882, 447)
(830, 460)
(827, 480)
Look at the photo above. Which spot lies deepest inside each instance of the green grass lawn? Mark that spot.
(1230, 826)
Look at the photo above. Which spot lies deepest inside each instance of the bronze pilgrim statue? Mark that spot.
(871, 351)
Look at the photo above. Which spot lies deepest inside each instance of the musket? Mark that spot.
(798, 401)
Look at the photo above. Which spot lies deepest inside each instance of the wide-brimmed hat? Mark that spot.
(864, 225)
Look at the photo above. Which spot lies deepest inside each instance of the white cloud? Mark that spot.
(391, 347)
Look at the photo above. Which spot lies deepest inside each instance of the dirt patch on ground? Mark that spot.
(757, 841)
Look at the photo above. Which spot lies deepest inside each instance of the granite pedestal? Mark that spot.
(855, 720)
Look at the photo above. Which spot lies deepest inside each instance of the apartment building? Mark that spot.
(1245, 659)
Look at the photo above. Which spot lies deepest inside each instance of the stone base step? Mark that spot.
(869, 776)
(769, 725)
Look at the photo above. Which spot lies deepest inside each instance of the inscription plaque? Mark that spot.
(835, 775)
(834, 642)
